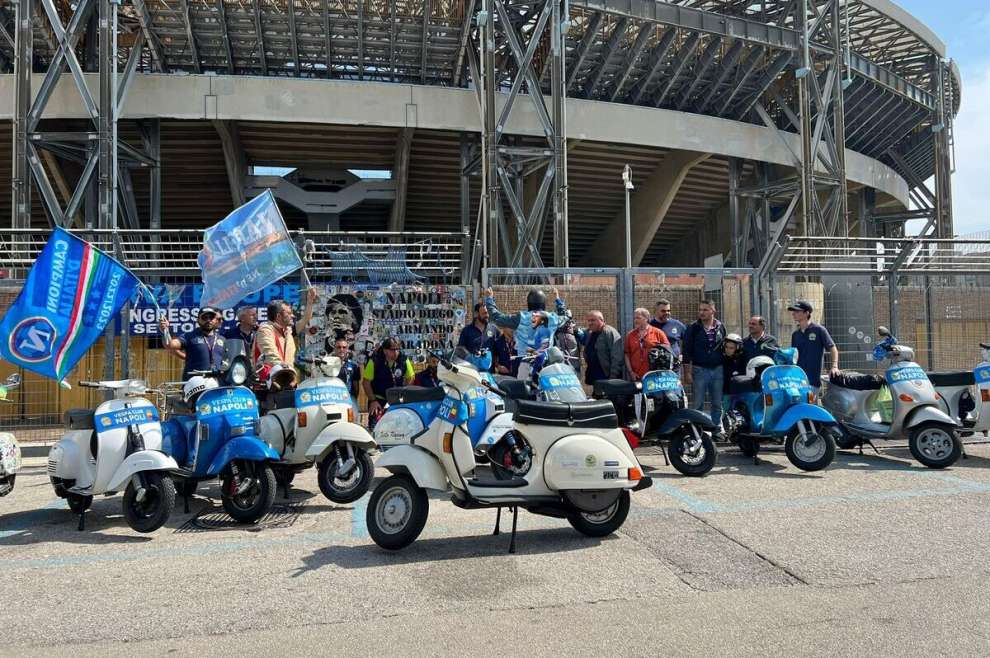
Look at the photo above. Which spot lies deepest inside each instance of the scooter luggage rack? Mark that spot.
(164, 392)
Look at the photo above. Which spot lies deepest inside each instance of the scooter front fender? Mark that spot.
(341, 432)
(800, 412)
(145, 460)
(928, 414)
(686, 417)
(248, 448)
(422, 466)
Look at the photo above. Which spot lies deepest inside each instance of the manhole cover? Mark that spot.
(282, 515)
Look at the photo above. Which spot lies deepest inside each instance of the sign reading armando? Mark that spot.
(245, 252)
(71, 294)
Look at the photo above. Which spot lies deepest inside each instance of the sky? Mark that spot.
(964, 26)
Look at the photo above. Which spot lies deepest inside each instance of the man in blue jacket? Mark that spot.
(702, 351)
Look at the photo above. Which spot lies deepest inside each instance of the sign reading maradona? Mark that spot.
(71, 294)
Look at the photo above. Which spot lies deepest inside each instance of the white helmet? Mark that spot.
(900, 354)
(756, 363)
(196, 385)
(986, 351)
(281, 377)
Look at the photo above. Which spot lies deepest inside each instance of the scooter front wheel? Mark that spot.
(690, 456)
(934, 445)
(347, 488)
(810, 452)
(257, 497)
(7, 485)
(603, 523)
(397, 512)
(152, 511)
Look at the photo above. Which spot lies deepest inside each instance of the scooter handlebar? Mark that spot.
(88, 384)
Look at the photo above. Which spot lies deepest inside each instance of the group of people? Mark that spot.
(709, 355)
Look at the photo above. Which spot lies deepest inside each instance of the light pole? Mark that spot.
(628, 184)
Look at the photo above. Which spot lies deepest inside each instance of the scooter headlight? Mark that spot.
(238, 373)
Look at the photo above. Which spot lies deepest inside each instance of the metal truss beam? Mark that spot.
(618, 34)
(517, 29)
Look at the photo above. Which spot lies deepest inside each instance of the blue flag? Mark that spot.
(248, 250)
(73, 291)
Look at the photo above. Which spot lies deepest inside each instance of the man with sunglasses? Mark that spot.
(201, 348)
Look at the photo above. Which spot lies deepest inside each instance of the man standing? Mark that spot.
(811, 340)
(759, 342)
(603, 349)
(476, 336)
(245, 329)
(387, 368)
(703, 359)
(274, 342)
(201, 348)
(527, 324)
(350, 372)
(672, 328)
(643, 338)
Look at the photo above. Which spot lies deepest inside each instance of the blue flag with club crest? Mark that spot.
(248, 250)
(72, 292)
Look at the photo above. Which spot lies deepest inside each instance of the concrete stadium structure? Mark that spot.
(728, 111)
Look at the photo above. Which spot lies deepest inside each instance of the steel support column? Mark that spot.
(509, 33)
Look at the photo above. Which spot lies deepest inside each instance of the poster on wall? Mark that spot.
(423, 317)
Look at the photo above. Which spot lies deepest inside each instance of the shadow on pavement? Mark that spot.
(528, 542)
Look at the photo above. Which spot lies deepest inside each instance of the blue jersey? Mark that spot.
(202, 352)
(522, 323)
(673, 330)
(811, 345)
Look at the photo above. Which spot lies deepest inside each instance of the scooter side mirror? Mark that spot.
(12, 380)
(883, 331)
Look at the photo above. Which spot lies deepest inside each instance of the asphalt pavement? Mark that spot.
(876, 554)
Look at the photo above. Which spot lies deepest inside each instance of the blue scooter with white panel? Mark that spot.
(774, 402)
(213, 432)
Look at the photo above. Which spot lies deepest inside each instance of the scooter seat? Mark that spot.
(741, 384)
(856, 381)
(610, 388)
(955, 378)
(591, 414)
(515, 389)
(409, 394)
(79, 419)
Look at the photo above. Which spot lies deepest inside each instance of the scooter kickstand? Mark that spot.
(664, 453)
(82, 521)
(512, 542)
(871, 445)
(498, 520)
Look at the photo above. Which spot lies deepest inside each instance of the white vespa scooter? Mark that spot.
(10, 452)
(855, 401)
(582, 467)
(965, 395)
(314, 424)
(117, 446)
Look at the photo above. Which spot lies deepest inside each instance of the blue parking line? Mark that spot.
(694, 504)
(359, 520)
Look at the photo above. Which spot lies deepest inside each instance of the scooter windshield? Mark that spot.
(559, 383)
(234, 407)
(661, 381)
(783, 387)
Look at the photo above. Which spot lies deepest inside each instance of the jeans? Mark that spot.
(708, 381)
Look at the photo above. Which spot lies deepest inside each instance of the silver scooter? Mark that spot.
(965, 395)
(872, 407)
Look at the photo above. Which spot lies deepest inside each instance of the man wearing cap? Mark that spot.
(202, 348)
(811, 340)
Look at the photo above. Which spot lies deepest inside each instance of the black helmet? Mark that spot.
(536, 300)
(661, 358)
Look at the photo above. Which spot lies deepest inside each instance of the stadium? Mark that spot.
(420, 117)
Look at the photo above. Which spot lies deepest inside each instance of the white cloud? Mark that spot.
(971, 182)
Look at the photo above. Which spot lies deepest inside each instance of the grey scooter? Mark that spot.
(854, 400)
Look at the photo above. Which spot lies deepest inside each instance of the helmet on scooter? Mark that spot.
(757, 365)
(195, 386)
(553, 355)
(536, 300)
(281, 377)
(661, 358)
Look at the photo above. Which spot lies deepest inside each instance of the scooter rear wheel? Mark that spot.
(153, 511)
(253, 504)
(694, 464)
(934, 445)
(397, 512)
(604, 523)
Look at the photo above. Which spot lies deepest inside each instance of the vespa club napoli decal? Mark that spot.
(906, 374)
(124, 417)
(661, 382)
(235, 401)
(982, 375)
(327, 394)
